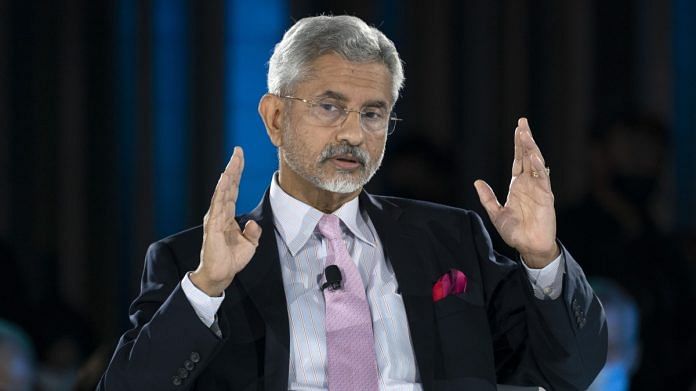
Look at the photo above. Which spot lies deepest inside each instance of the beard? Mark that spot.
(318, 171)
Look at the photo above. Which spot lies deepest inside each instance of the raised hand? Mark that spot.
(527, 221)
(227, 248)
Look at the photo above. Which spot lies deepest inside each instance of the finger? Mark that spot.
(524, 134)
(236, 165)
(529, 146)
(227, 172)
(488, 199)
(235, 168)
(240, 151)
(216, 202)
(541, 171)
(519, 155)
(231, 162)
(252, 232)
(233, 171)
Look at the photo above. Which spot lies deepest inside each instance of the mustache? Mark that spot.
(332, 151)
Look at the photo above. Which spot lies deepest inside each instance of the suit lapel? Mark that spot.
(262, 279)
(400, 244)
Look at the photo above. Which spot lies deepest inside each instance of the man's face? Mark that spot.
(344, 157)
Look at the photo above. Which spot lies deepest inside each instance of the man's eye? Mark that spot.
(373, 114)
(328, 107)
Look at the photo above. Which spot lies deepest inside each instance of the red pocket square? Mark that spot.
(451, 283)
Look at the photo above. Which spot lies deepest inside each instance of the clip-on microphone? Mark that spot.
(333, 278)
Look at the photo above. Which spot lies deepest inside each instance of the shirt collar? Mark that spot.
(296, 221)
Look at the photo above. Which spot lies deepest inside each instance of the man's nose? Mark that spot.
(351, 129)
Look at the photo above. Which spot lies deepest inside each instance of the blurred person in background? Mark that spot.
(63, 346)
(613, 229)
(61, 336)
(93, 367)
(17, 368)
(624, 353)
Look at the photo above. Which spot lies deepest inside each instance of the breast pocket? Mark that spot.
(455, 303)
(465, 336)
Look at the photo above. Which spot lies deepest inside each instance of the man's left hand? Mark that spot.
(527, 221)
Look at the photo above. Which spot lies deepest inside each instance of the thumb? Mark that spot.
(487, 198)
(252, 232)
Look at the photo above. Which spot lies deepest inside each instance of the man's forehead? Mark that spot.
(340, 97)
(334, 77)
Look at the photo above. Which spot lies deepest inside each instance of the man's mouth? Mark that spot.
(346, 162)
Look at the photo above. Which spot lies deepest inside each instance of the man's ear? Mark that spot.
(271, 112)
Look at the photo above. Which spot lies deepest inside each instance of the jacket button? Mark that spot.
(182, 373)
(176, 380)
(189, 365)
(195, 357)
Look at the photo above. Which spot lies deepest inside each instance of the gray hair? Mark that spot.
(347, 36)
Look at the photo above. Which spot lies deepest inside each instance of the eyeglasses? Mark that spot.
(329, 113)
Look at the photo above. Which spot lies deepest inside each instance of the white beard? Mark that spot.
(292, 153)
(340, 185)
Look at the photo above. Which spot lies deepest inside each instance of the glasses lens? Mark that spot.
(392, 123)
(374, 119)
(326, 113)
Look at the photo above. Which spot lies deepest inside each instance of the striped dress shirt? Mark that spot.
(302, 253)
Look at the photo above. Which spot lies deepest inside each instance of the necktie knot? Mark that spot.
(329, 227)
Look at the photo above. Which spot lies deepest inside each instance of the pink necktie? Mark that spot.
(349, 339)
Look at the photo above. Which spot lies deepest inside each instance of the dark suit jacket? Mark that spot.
(496, 331)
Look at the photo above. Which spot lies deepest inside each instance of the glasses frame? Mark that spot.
(346, 112)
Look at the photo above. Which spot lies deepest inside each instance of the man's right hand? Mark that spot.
(226, 248)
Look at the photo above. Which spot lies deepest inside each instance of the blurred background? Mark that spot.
(117, 116)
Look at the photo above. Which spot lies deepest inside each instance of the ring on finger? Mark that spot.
(535, 173)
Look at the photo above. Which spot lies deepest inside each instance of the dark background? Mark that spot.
(116, 118)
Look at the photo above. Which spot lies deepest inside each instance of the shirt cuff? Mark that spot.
(547, 282)
(205, 306)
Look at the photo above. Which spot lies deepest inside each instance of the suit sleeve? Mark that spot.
(168, 345)
(559, 344)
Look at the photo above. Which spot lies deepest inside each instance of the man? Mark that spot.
(420, 300)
